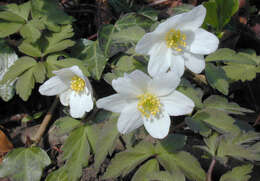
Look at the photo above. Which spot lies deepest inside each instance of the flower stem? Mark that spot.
(199, 78)
(45, 122)
(210, 170)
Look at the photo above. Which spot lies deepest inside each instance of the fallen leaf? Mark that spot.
(5, 144)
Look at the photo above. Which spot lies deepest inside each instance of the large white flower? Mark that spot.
(178, 42)
(73, 88)
(149, 101)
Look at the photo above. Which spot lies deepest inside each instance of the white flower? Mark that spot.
(143, 100)
(73, 88)
(178, 42)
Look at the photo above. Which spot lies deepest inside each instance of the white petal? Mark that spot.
(140, 79)
(53, 86)
(192, 19)
(126, 86)
(177, 104)
(164, 83)
(184, 21)
(204, 42)
(147, 42)
(160, 60)
(114, 103)
(177, 64)
(129, 119)
(194, 62)
(65, 75)
(80, 103)
(158, 127)
(65, 97)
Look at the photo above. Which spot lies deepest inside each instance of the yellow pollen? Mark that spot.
(148, 105)
(175, 40)
(77, 84)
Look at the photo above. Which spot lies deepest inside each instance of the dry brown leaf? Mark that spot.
(5, 144)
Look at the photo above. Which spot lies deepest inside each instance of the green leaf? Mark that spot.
(172, 143)
(228, 55)
(24, 164)
(133, 19)
(39, 72)
(217, 78)
(106, 139)
(54, 64)
(211, 16)
(219, 12)
(217, 120)
(165, 176)
(93, 131)
(143, 173)
(31, 49)
(14, 13)
(8, 57)
(226, 9)
(128, 64)
(132, 34)
(126, 161)
(189, 90)
(105, 39)
(30, 32)
(198, 126)
(239, 146)
(19, 67)
(150, 13)
(50, 10)
(76, 152)
(59, 41)
(93, 58)
(7, 28)
(65, 125)
(172, 168)
(221, 103)
(247, 137)
(240, 173)
(211, 144)
(183, 8)
(121, 36)
(240, 71)
(185, 162)
(25, 84)
(58, 175)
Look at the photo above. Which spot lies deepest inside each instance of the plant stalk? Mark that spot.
(210, 170)
(45, 122)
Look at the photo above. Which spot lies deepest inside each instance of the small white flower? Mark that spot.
(143, 100)
(178, 42)
(73, 88)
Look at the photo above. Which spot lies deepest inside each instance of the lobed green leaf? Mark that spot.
(217, 78)
(76, 152)
(24, 164)
(25, 84)
(240, 173)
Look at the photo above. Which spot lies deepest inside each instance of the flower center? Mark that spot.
(175, 40)
(77, 84)
(148, 104)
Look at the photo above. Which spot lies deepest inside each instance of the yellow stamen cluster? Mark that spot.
(77, 84)
(148, 104)
(175, 40)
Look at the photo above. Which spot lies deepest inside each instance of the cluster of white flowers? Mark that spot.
(176, 43)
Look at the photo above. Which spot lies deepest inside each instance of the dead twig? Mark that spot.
(45, 122)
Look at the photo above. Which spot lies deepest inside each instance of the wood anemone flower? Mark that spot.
(178, 42)
(142, 100)
(73, 88)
